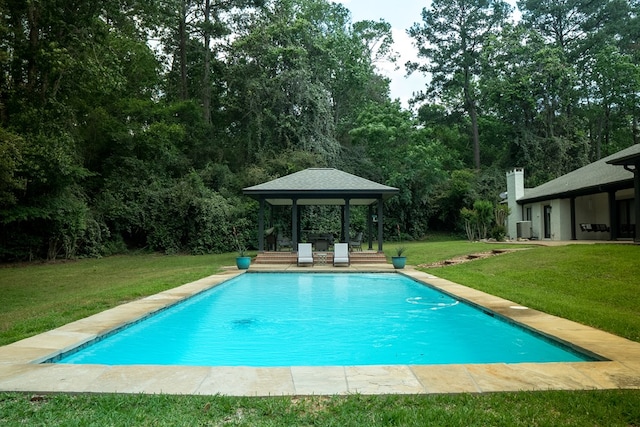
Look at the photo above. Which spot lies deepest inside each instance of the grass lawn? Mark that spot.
(40, 297)
(553, 408)
(592, 284)
(596, 285)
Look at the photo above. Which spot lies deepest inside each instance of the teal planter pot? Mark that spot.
(398, 261)
(243, 262)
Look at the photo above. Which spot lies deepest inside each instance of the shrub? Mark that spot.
(499, 232)
(470, 219)
(484, 216)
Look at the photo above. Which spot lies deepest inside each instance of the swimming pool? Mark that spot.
(316, 319)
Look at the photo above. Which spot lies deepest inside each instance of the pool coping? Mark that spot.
(21, 370)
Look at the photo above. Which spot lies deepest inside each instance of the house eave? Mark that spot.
(586, 191)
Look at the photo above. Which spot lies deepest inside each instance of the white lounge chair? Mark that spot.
(341, 253)
(305, 253)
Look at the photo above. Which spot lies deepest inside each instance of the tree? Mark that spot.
(355, 81)
(574, 26)
(450, 39)
(484, 215)
(192, 36)
(530, 86)
(613, 100)
(11, 159)
(477, 220)
(60, 61)
(579, 34)
(403, 155)
(297, 73)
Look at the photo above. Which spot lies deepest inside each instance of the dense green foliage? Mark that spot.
(136, 124)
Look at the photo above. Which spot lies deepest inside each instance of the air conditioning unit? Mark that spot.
(523, 229)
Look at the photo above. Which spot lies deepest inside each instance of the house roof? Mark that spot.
(320, 186)
(597, 177)
(630, 156)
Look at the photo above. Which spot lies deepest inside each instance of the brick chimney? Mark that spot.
(515, 191)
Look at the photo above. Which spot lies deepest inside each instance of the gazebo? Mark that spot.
(321, 186)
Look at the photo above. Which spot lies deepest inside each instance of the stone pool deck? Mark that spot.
(21, 370)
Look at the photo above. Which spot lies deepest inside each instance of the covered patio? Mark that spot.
(323, 186)
(630, 160)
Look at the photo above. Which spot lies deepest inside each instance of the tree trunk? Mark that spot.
(475, 134)
(32, 66)
(182, 30)
(473, 115)
(206, 83)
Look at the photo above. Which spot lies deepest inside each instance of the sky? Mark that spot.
(401, 14)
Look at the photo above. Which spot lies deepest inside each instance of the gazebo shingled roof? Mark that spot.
(321, 186)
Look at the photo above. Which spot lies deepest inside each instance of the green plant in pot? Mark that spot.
(243, 261)
(399, 260)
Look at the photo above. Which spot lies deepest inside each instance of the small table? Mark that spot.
(322, 258)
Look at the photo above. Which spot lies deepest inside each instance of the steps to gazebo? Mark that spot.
(357, 257)
(276, 258)
(366, 257)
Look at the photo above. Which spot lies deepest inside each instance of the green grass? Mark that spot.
(40, 297)
(590, 284)
(555, 408)
(596, 285)
(432, 251)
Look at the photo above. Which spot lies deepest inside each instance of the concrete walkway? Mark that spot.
(548, 242)
(21, 370)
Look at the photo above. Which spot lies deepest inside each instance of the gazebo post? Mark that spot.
(294, 225)
(299, 222)
(370, 225)
(341, 237)
(261, 226)
(347, 220)
(270, 216)
(380, 224)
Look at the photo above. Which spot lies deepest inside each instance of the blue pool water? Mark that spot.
(312, 319)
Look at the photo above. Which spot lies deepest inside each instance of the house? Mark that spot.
(596, 202)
